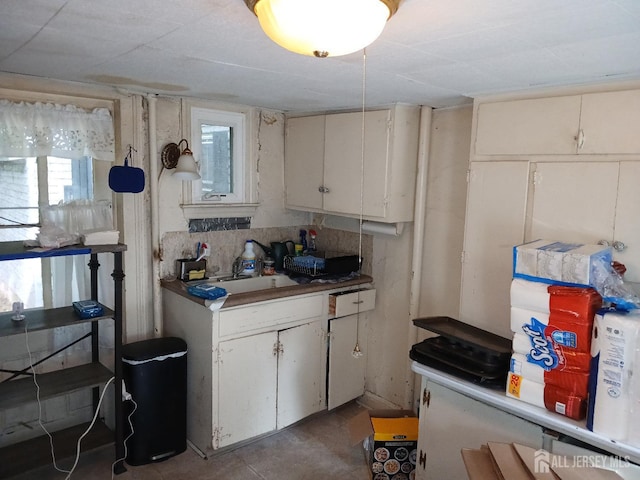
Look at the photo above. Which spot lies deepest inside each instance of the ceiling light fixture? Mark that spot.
(323, 28)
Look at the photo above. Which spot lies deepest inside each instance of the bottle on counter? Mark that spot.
(248, 259)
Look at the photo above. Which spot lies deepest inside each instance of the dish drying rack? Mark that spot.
(317, 265)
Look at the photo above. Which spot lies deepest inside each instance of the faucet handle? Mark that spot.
(236, 266)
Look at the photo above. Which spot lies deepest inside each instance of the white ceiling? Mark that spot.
(432, 52)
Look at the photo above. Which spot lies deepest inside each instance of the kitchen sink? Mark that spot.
(251, 284)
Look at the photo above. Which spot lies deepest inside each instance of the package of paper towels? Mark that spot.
(614, 388)
(551, 397)
(552, 327)
(551, 261)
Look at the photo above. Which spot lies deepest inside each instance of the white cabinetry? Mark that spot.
(609, 122)
(346, 330)
(324, 163)
(252, 368)
(568, 201)
(595, 123)
(450, 421)
(269, 381)
(495, 222)
(525, 184)
(531, 126)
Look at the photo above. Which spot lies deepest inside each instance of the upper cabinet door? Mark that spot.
(344, 167)
(574, 201)
(610, 122)
(304, 162)
(540, 126)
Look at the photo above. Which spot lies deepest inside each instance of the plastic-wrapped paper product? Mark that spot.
(614, 345)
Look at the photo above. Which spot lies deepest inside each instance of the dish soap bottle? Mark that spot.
(248, 259)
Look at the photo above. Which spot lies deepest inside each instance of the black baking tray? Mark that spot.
(463, 350)
(459, 332)
(463, 358)
(496, 383)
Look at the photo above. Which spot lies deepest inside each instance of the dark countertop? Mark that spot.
(238, 299)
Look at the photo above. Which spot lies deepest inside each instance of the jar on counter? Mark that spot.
(268, 266)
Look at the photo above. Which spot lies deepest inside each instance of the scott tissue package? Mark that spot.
(551, 358)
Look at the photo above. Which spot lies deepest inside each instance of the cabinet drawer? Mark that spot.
(353, 301)
(263, 315)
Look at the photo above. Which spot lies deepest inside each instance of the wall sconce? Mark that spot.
(185, 165)
(323, 28)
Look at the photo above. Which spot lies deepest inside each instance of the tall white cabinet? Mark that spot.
(561, 168)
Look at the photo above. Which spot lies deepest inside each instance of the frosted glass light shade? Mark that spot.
(187, 168)
(323, 28)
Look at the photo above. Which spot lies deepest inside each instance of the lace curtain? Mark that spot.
(37, 129)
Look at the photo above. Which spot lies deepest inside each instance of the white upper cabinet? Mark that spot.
(610, 122)
(304, 162)
(532, 126)
(594, 123)
(325, 167)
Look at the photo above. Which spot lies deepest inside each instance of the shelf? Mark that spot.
(17, 250)
(24, 456)
(18, 392)
(43, 319)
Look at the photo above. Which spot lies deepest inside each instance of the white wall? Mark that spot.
(388, 327)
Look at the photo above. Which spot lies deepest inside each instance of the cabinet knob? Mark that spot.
(323, 189)
(618, 246)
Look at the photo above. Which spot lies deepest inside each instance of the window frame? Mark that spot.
(238, 122)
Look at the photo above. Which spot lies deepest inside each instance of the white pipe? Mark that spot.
(419, 214)
(155, 222)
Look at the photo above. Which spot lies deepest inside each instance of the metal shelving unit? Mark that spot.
(19, 391)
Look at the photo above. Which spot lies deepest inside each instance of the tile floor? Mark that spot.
(315, 448)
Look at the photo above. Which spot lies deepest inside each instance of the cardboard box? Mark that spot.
(512, 461)
(550, 261)
(390, 440)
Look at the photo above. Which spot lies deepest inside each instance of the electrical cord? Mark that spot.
(95, 416)
(113, 465)
(93, 421)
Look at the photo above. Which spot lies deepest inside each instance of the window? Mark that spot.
(218, 143)
(29, 183)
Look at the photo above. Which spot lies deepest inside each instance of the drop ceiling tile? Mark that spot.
(587, 23)
(602, 57)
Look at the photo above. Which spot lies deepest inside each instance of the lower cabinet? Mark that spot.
(450, 421)
(262, 366)
(269, 381)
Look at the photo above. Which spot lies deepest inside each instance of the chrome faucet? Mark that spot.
(236, 267)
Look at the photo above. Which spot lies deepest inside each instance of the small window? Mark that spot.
(218, 143)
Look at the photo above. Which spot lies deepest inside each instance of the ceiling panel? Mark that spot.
(436, 52)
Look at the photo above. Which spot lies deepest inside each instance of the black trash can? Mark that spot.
(155, 374)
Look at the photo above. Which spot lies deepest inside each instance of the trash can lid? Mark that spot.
(152, 348)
